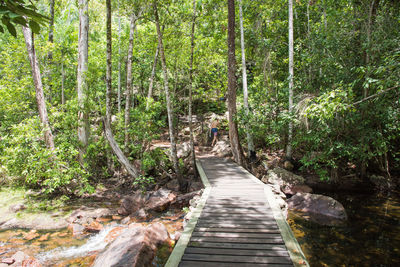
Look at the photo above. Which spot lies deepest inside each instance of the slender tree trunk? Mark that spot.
(129, 80)
(191, 89)
(290, 130)
(233, 131)
(119, 60)
(182, 183)
(109, 62)
(250, 144)
(37, 79)
(62, 80)
(107, 122)
(50, 54)
(83, 115)
(153, 73)
(324, 13)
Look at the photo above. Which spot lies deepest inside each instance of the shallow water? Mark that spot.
(371, 237)
(60, 248)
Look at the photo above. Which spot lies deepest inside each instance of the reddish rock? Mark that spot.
(114, 233)
(76, 229)
(183, 200)
(31, 235)
(131, 204)
(160, 200)
(318, 208)
(8, 261)
(135, 247)
(31, 262)
(94, 227)
(86, 215)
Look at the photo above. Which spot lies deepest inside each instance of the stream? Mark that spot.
(371, 236)
(60, 248)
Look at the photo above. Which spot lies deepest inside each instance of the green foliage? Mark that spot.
(29, 163)
(17, 12)
(143, 182)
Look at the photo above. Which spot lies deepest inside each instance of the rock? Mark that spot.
(288, 165)
(86, 215)
(222, 149)
(126, 220)
(141, 215)
(131, 204)
(31, 235)
(8, 261)
(320, 209)
(160, 200)
(173, 185)
(177, 235)
(157, 233)
(17, 207)
(44, 237)
(94, 227)
(283, 178)
(76, 229)
(183, 200)
(136, 247)
(195, 186)
(31, 262)
(292, 190)
(19, 257)
(183, 150)
(114, 233)
(38, 222)
(380, 182)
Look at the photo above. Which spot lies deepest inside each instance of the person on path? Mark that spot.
(214, 132)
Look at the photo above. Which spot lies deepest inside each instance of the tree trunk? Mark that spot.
(132, 170)
(107, 122)
(129, 81)
(51, 40)
(290, 130)
(82, 85)
(233, 131)
(119, 61)
(250, 144)
(37, 79)
(182, 183)
(109, 63)
(191, 89)
(153, 73)
(62, 80)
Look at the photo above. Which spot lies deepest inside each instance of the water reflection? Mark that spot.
(371, 237)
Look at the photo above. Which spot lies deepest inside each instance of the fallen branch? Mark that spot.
(375, 95)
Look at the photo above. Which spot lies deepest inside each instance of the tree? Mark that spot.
(182, 183)
(107, 121)
(151, 80)
(82, 79)
(233, 131)
(37, 79)
(250, 144)
(291, 73)
(129, 82)
(191, 88)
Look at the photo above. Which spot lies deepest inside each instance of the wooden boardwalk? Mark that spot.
(236, 223)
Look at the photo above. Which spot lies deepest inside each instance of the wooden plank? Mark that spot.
(246, 240)
(238, 245)
(241, 259)
(235, 216)
(240, 235)
(235, 229)
(239, 252)
(187, 263)
(235, 220)
(243, 225)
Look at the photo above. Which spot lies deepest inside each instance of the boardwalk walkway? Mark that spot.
(236, 223)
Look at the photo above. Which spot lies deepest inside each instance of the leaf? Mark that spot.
(34, 26)
(1, 29)
(11, 29)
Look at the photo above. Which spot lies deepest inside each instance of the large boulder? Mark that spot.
(160, 200)
(286, 180)
(131, 204)
(85, 215)
(136, 246)
(222, 149)
(318, 208)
